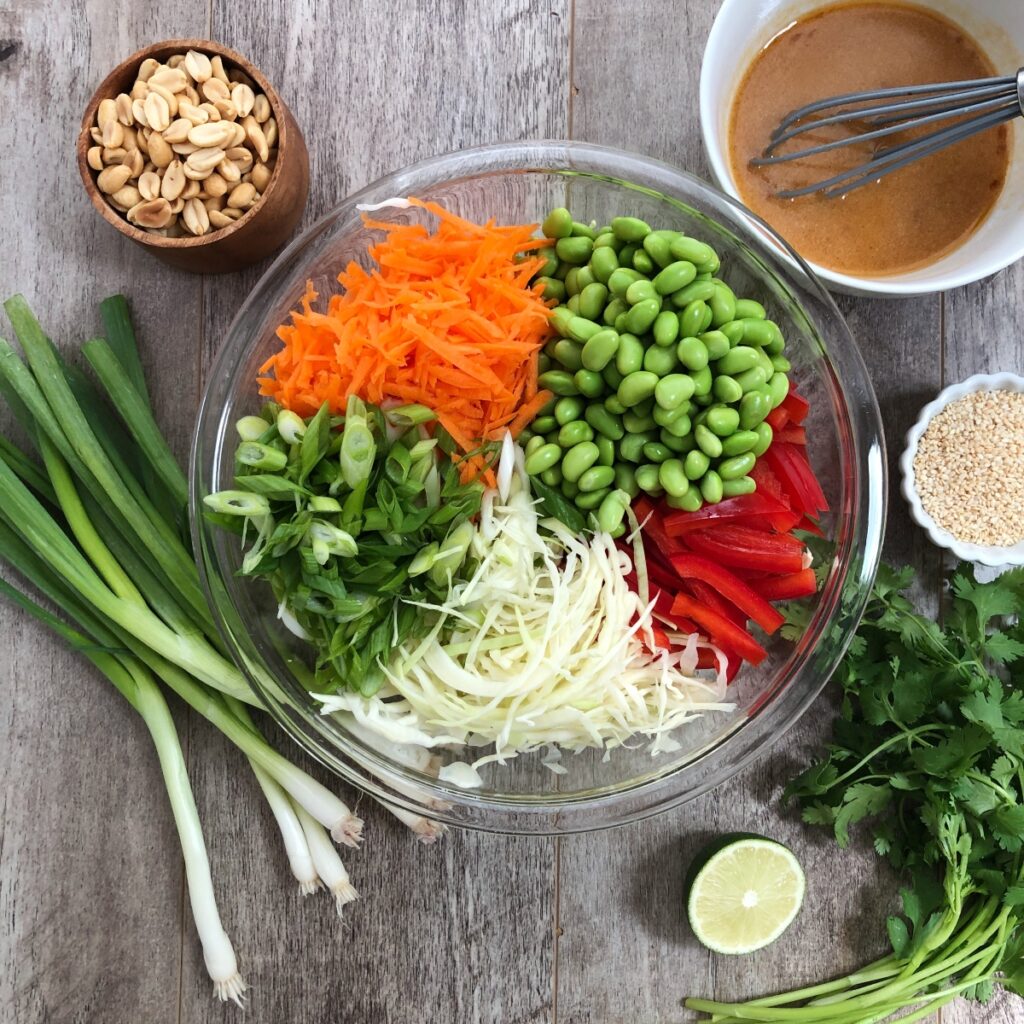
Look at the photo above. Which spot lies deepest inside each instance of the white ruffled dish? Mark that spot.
(943, 538)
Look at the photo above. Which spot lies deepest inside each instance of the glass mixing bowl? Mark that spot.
(518, 183)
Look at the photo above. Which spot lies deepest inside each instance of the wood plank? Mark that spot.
(462, 931)
(90, 869)
(995, 303)
(625, 951)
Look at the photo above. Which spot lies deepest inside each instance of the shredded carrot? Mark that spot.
(447, 319)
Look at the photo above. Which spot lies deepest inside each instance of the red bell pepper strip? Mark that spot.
(777, 418)
(708, 596)
(730, 587)
(760, 510)
(810, 526)
(652, 528)
(789, 463)
(723, 632)
(791, 435)
(744, 548)
(797, 406)
(787, 587)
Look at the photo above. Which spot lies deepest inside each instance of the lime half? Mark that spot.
(745, 892)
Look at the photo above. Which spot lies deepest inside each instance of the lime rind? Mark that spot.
(745, 895)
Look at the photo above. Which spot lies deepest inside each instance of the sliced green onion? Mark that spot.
(251, 428)
(237, 503)
(410, 415)
(261, 456)
(290, 426)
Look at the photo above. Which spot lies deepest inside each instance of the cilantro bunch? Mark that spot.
(928, 749)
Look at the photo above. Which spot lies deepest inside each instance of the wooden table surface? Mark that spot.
(94, 923)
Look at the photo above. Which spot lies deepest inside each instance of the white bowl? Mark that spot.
(943, 538)
(743, 27)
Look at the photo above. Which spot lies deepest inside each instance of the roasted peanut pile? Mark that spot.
(969, 468)
(189, 150)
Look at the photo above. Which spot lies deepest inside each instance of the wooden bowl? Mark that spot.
(263, 228)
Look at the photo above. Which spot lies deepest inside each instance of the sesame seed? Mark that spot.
(969, 468)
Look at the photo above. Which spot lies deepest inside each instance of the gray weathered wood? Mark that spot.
(90, 873)
(477, 929)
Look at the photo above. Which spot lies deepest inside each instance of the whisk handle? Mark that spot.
(1020, 89)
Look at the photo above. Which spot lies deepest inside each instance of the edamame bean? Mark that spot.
(578, 460)
(722, 305)
(741, 485)
(559, 382)
(640, 291)
(697, 290)
(600, 348)
(573, 433)
(544, 424)
(692, 250)
(691, 501)
(702, 381)
(707, 442)
(765, 436)
(569, 409)
(661, 361)
(637, 422)
(663, 417)
(781, 364)
(647, 478)
(589, 500)
(557, 224)
(569, 489)
(681, 428)
(727, 389)
(736, 360)
(604, 422)
(625, 479)
(759, 332)
(630, 229)
(754, 406)
(575, 249)
(765, 362)
(603, 263)
(524, 435)
(589, 383)
(706, 322)
(553, 288)
(672, 390)
(717, 345)
(722, 420)
(606, 446)
(616, 308)
(778, 388)
(655, 451)
(560, 317)
(711, 487)
(737, 466)
(674, 277)
(606, 239)
(656, 245)
(679, 445)
(581, 329)
(642, 315)
(643, 262)
(626, 254)
(612, 403)
(542, 458)
(543, 363)
(637, 386)
(631, 447)
(691, 319)
(630, 354)
(533, 444)
(692, 353)
(752, 379)
(619, 281)
(672, 478)
(740, 442)
(569, 354)
(572, 284)
(612, 509)
(584, 277)
(733, 330)
(748, 308)
(711, 266)
(584, 230)
(696, 464)
(552, 477)
(596, 478)
(619, 323)
(573, 304)
(593, 298)
(666, 328)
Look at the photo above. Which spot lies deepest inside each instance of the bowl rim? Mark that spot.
(107, 89)
(984, 553)
(720, 47)
(860, 533)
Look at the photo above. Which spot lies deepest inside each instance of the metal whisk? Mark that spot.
(977, 105)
